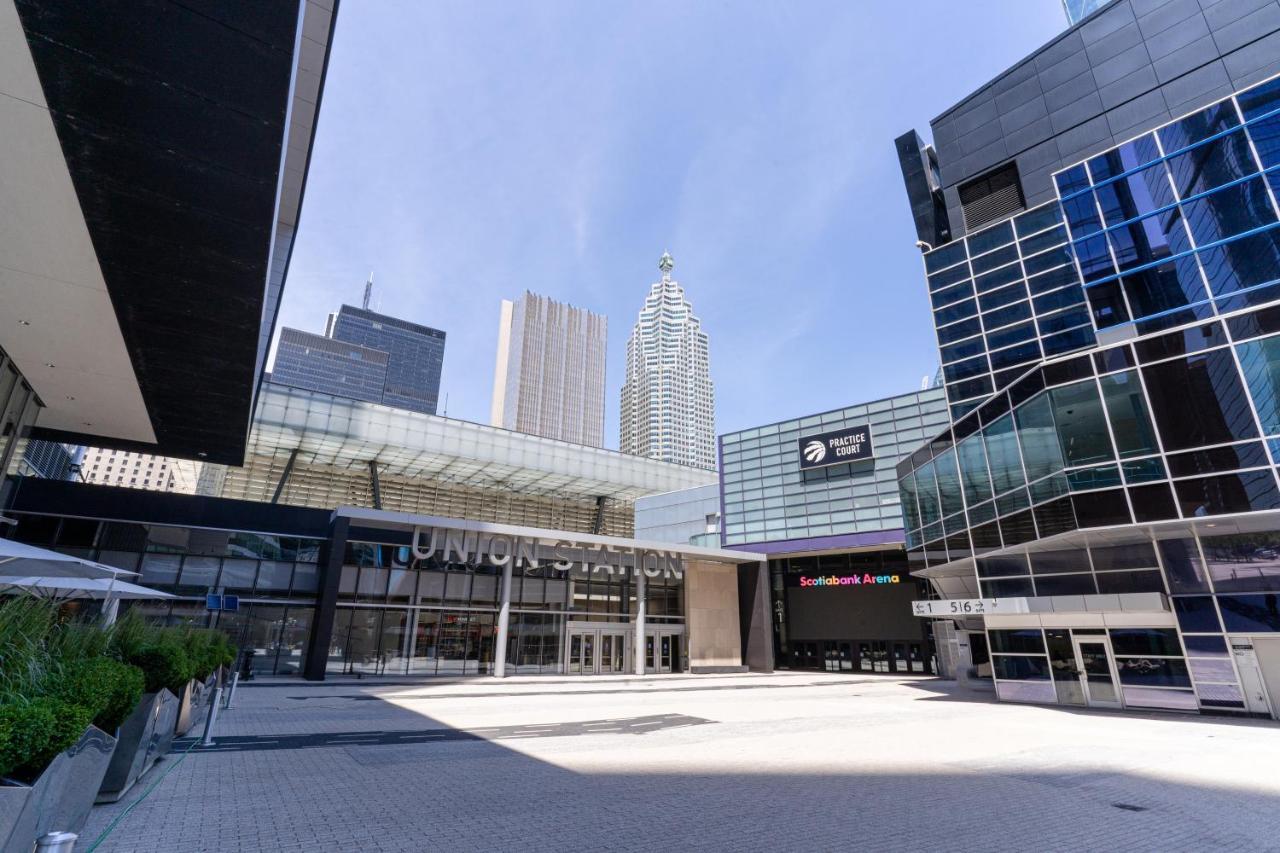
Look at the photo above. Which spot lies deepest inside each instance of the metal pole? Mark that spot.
(640, 655)
(504, 622)
(213, 715)
(56, 842)
(231, 692)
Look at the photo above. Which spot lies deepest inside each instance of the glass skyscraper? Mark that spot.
(319, 363)
(415, 354)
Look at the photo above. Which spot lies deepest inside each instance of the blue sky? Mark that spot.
(469, 151)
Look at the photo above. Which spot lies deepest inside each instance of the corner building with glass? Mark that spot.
(1106, 522)
(832, 533)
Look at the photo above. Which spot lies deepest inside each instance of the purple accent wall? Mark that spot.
(895, 536)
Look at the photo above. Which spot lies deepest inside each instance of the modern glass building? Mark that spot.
(1103, 528)
(353, 591)
(818, 497)
(415, 354)
(1004, 298)
(319, 363)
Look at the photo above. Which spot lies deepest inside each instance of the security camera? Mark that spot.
(923, 246)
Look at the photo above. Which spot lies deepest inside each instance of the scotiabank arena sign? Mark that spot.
(851, 444)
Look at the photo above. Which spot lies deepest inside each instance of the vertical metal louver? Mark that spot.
(992, 197)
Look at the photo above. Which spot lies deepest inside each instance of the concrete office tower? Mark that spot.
(146, 471)
(549, 378)
(668, 402)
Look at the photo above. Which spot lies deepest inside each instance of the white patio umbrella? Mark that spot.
(45, 587)
(20, 560)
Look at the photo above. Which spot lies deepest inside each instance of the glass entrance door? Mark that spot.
(612, 652)
(582, 653)
(1097, 672)
(664, 652)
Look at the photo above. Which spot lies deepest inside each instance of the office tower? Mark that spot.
(51, 460)
(1103, 510)
(108, 467)
(319, 363)
(415, 354)
(1078, 10)
(668, 402)
(549, 377)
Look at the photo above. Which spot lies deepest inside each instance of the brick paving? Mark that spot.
(789, 761)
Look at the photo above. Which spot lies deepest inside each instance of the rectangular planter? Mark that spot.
(146, 735)
(188, 705)
(59, 801)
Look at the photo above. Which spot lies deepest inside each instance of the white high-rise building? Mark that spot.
(668, 402)
(549, 378)
(139, 470)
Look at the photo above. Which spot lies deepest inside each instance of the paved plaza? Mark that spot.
(789, 761)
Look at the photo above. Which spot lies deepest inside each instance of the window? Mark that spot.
(1260, 360)
(1247, 262)
(1081, 427)
(1229, 211)
(1127, 412)
(1199, 400)
(1228, 493)
(1249, 613)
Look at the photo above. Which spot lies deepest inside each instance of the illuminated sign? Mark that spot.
(851, 444)
(849, 580)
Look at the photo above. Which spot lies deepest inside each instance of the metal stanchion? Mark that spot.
(231, 693)
(213, 715)
(56, 842)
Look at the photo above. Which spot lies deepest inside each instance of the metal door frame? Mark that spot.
(1105, 642)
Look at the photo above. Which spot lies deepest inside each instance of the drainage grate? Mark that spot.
(1129, 807)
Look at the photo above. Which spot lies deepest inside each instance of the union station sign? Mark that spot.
(498, 549)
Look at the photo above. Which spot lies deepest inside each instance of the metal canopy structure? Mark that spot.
(320, 430)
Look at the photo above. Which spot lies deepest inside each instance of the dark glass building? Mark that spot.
(1103, 512)
(415, 354)
(317, 363)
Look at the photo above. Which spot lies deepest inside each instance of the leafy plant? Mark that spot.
(33, 732)
(109, 688)
(165, 664)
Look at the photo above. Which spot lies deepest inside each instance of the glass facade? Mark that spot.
(400, 615)
(275, 576)
(1003, 298)
(1176, 426)
(1161, 427)
(1181, 223)
(317, 363)
(767, 497)
(415, 355)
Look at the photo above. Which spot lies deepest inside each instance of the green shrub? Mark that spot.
(109, 688)
(32, 733)
(164, 663)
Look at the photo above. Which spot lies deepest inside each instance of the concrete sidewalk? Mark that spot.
(789, 761)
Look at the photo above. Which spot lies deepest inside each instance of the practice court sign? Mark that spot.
(851, 444)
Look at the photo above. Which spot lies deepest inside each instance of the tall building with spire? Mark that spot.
(668, 401)
(549, 377)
